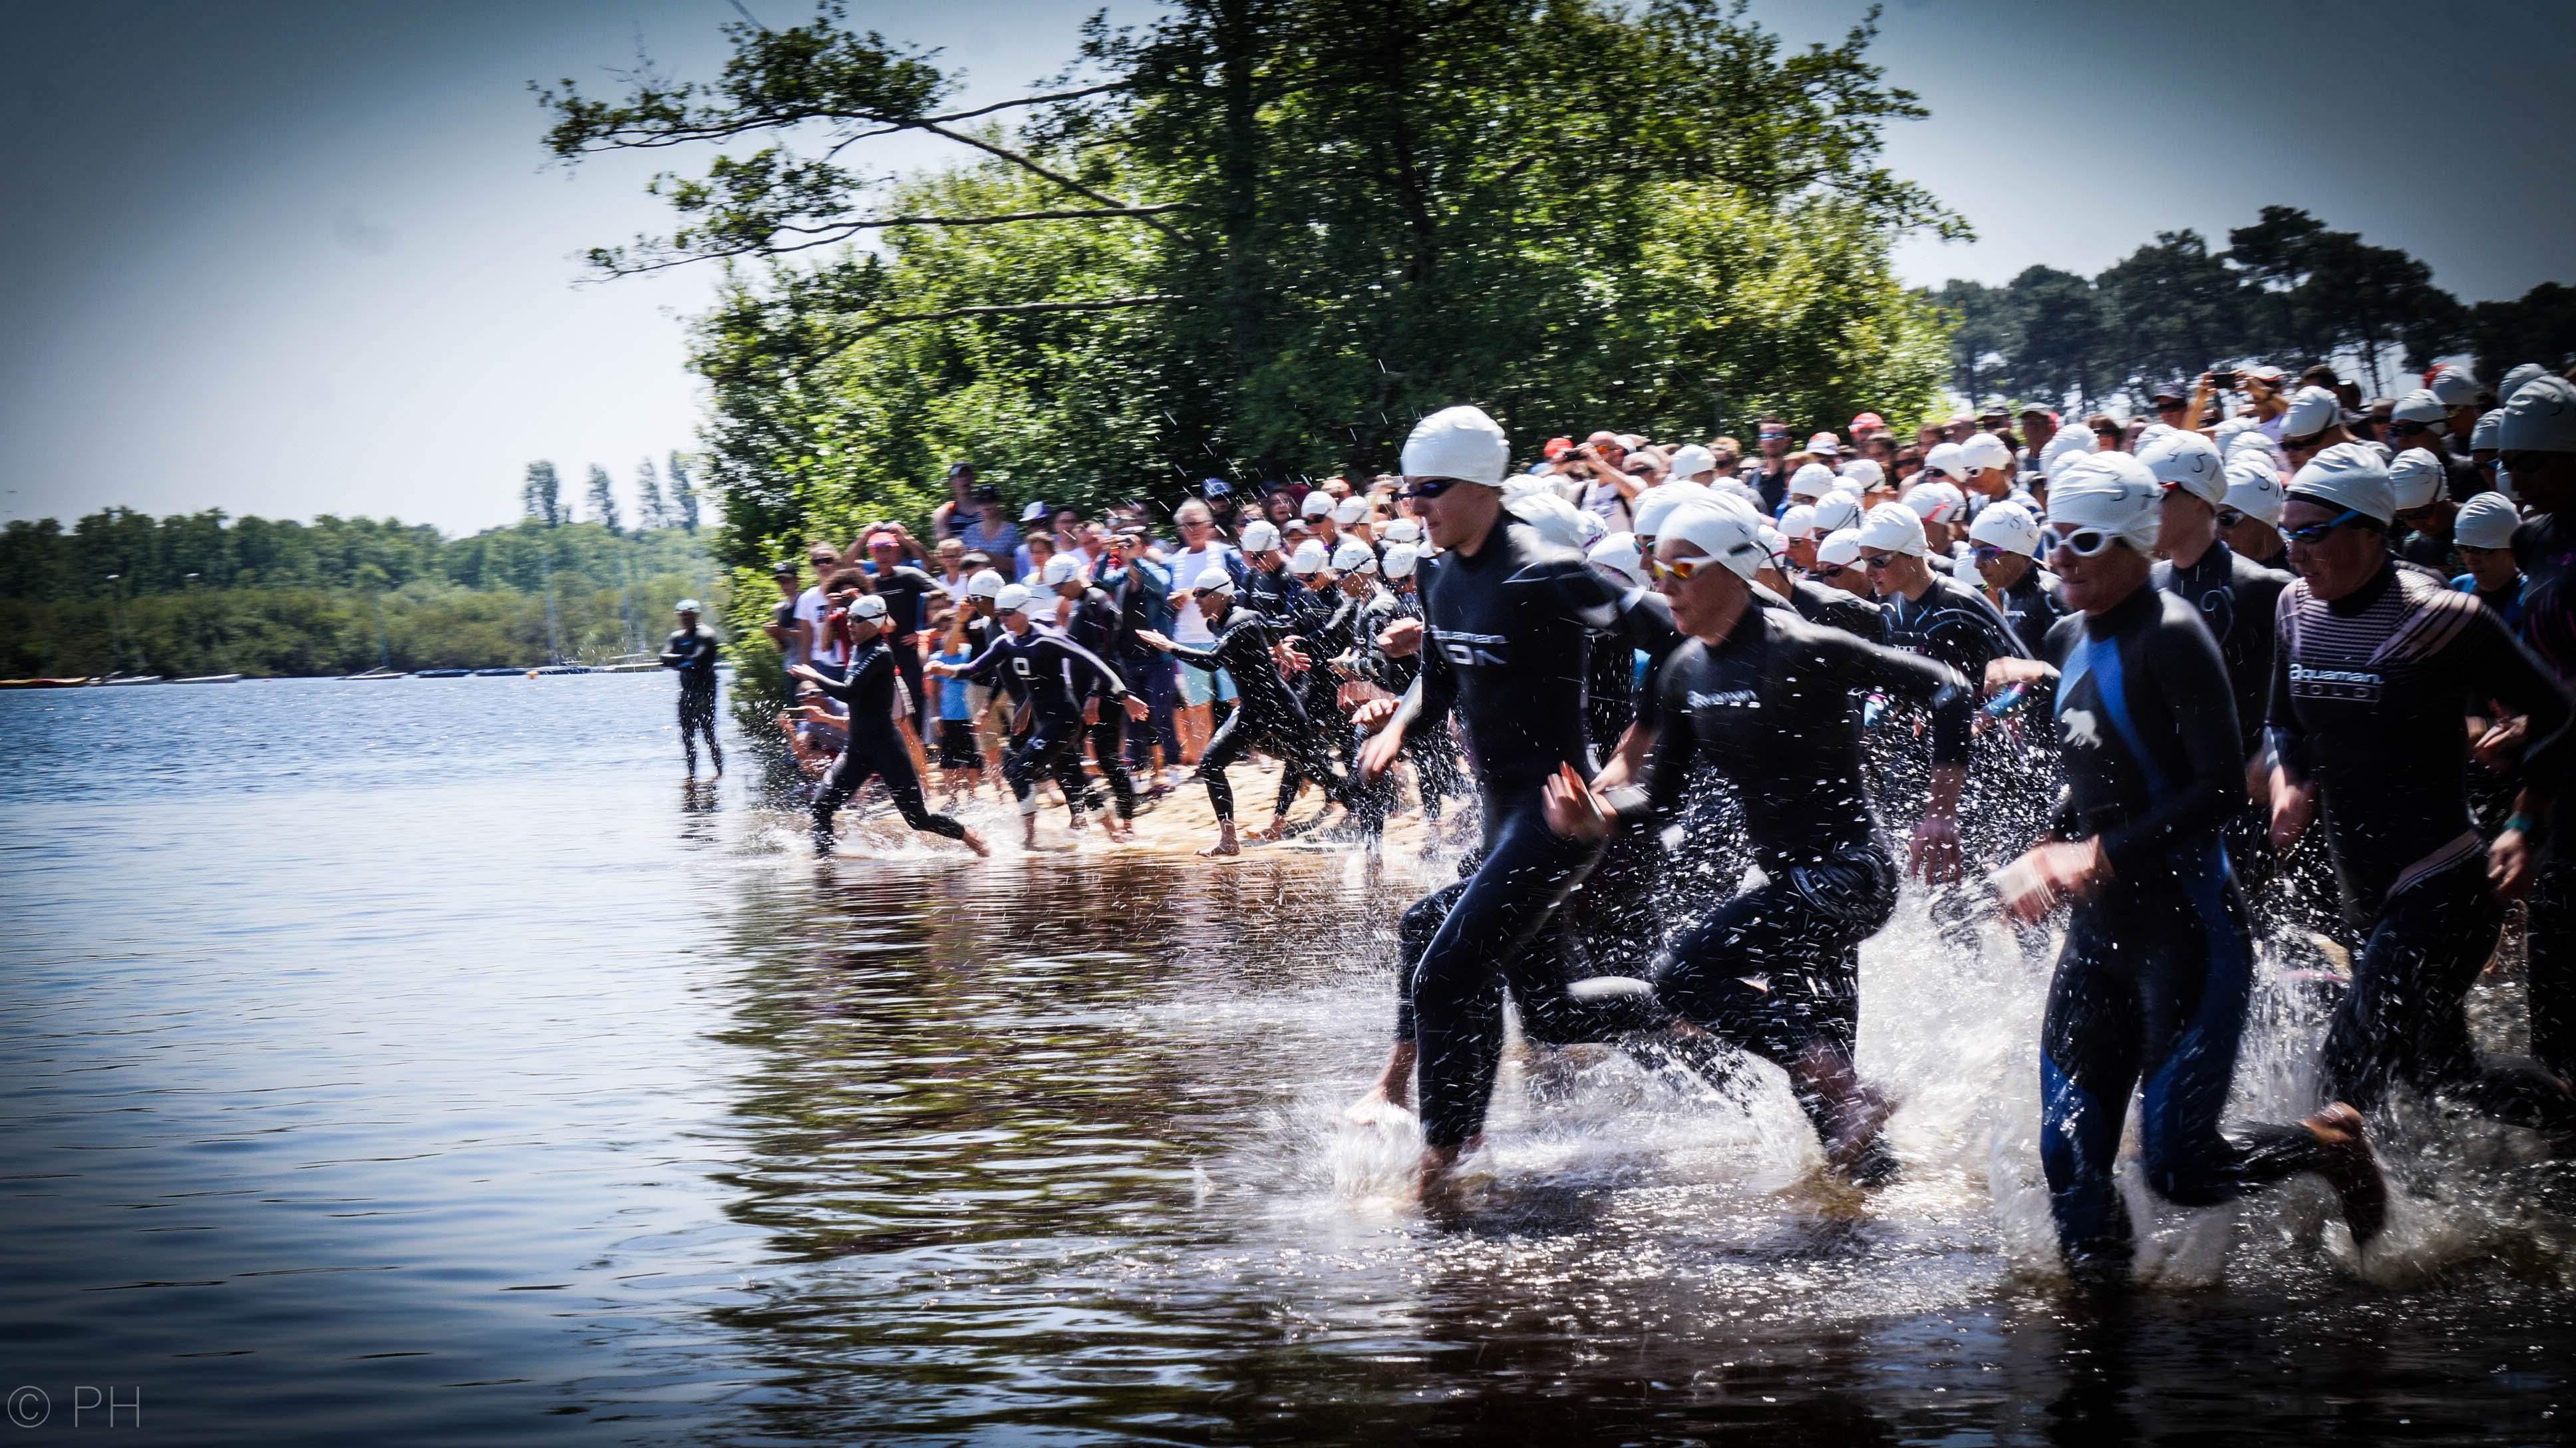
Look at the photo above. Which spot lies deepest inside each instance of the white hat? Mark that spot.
(1458, 442)
(1311, 557)
(1062, 569)
(866, 605)
(1402, 530)
(2486, 521)
(1864, 471)
(2482, 438)
(2420, 405)
(2541, 417)
(1948, 459)
(1729, 534)
(2008, 526)
(1840, 548)
(2312, 411)
(1690, 460)
(1215, 578)
(1399, 560)
(2416, 477)
(1657, 503)
(1774, 542)
(1837, 511)
(1934, 502)
(2517, 379)
(1985, 450)
(1033, 512)
(2188, 461)
(2253, 485)
(1318, 504)
(689, 605)
(1557, 520)
(1014, 599)
(985, 584)
(1798, 522)
(1826, 443)
(2069, 440)
(1259, 537)
(1350, 510)
(2349, 476)
(1810, 481)
(2456, 386)
(2110, 491)
(1354, 556)
(1618, 553)
(1893, 527)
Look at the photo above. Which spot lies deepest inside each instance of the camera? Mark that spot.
(2223, 381)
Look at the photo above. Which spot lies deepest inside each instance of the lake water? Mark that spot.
(418, 1061)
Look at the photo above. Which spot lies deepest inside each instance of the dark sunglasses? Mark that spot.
(1876, 561)
(2316, 532)
(1428, 488)
(2401, 426)
(1989, 553)
(2308, 441)
(2082, 542)
(2229, 517)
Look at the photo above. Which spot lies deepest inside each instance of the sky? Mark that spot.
(302, 258)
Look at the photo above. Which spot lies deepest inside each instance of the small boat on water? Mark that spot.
(440, 673)
(654, 667)
(120, 680)
(559, 669)
(373, 674)
(43, 683)
(210, 679)
(499, 673)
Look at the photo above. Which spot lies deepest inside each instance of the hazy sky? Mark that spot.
(292, 258)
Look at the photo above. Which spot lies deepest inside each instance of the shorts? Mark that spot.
(1198, 686)
(957, 745)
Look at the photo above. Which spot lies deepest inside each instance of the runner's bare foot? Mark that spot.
(975, 842)
(2351, 1170)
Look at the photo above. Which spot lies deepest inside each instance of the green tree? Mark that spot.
(542, 496)
(2539, 326)
(2064, 334)
(603, 498)
(684, 493)
(2172, 308)
(650, 510)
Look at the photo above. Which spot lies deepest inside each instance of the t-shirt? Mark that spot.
(902, 587)
(810, 608)
(999, 540)
(783, 615)
(1189, 626)
(952, 692)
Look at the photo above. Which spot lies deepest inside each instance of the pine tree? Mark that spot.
(542, 496)
(650, 510)
(684, 494)
(603, 497)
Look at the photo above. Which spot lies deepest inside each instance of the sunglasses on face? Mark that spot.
(2304, 443)
(2402, 428)
(2468, 551)
(1989, 553)
(2171, 406)
(1680, 570)
(1876, 561)
(2229, 517)
(2082, 542)
(1426, 490)
(2522, 462)
(2315, 533)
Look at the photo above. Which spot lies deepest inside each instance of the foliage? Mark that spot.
(203, 594)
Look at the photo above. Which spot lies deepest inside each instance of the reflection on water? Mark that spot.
(445, 1067)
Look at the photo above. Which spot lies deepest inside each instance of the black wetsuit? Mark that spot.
(1266, 713)
(903, 587)
(1776, 970)
(1862, 618)
(876, 748)
(693, 653)
(1507, 646)
(2030, 608)
(2545, 549)
(1052, 676)
(2237, 599)
(1951, 623)
(2151, 988)
(1436, 771)
(2368, 697)
(1097, 627)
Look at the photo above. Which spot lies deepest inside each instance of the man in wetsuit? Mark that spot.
(2536, 449)
(691, 649)
(2236, 598)
(1766, 699)
(876, 746)
(1266, 713)
(1093, 623)
(2376, 669)
(1055, 680)
(2006, 542)
(1508, 624)
(2153, 981)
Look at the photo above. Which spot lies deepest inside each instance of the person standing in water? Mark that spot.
(691, 649)
(2152, 986)
(877, 746)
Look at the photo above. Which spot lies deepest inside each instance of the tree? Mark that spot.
(2173, 309)
(2060, 321)
(542, 497)
(684, 494)
(650, 510)
(1982, 334)
(2539, 326)
(603, 498)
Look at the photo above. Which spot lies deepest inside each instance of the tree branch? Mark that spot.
(1015, 158)
(1071, 95)
(1014, 308)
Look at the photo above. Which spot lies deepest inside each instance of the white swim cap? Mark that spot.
(1350, 510)
(1689, 461)
(1403, 530)
(2253, 485)
(1947, 459)
(1215, 578)
(2456, 386)
(687, 605)
(2416, 478)
(1985, 450)
(1318, 504)
(1014, 599)
(1729, 534)
(1798, 522)
(1657, 503)
(1893, 527)
(1063, 568)
(1835, 512)
(1557, 520)
(2517, 379)
(2486, 521)
(2420, 405)
(2541, 417)
(2068, 442)
(2188, 461)
(1935, 502)
(1461, 443)
(1810, 481)
(2008, 526)
(2351, 476)
(1840, 548)
(1354, 556)
(2110, 491)
(1618, 553)
(1259, 537)
(1399, 561)
(866, 605)
(1311, 557)
(2482, 438)
(2312, 411)
(1864, 471)
(985, 584)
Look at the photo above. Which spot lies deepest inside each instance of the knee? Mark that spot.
(2187, 1174)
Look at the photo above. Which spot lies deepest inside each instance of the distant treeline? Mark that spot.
(202, 594)
(2286, 290)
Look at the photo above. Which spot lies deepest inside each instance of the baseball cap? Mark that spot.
(688, 605)
(1826, 443)
(783, 568)
(1557, 447)
(1033, 512)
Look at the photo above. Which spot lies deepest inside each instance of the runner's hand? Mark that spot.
(1934, 856)
(1573, 810)
(1153, 640)
(2002, 674)
(2509, 864)
(1379, 749)
(1091, 710)
(1375, 712)
(1136, 708)
(1402, 638)
(2293, 805)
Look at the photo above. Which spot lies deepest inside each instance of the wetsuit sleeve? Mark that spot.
(2280, 716)
(2504, 670)
(1936, 686)
(988, 664)
(2188, 678)
(1089, 674)
(673, 656)
(1210, 657)
(1667, 765)
(847, 690)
